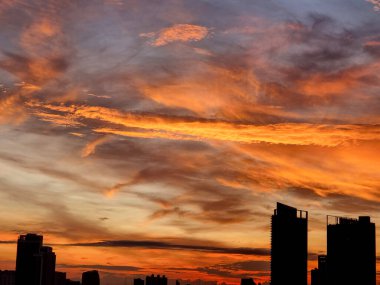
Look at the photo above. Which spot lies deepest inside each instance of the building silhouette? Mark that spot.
(247, 281)
(322, 269)
(289, 246)
(315, 277)
(60, 278)
(7, 277)
(319, 275)
(153, 280)
(351, 251)
(71, 282)
(90, 278)
(48, 266)
(350, 259)
(29, 260)
(35, 263)
(138, 281)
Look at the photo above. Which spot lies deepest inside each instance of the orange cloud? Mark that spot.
(42, 37)
(213, 91)
(339, 84)
(181, 128)
(178, 33)
(57, 119)
(12, 110)
(372, 43)
(90, 148)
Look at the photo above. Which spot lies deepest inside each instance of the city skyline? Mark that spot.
(144, 136)
(351, 243)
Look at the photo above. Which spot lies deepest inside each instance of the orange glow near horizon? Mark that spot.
(168, 131)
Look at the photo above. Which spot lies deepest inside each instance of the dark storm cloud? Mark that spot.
(173, 246)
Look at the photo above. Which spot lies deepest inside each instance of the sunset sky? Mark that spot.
(147, 136)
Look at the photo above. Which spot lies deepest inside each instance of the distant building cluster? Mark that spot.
(153, 280)
(351, 250)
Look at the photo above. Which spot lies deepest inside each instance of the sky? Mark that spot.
(155, 136)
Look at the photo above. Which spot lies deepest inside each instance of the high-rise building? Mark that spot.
(29, 260)
(351, 251)
(48, 266)
(90, 278)
(7, 277)
(289, 246)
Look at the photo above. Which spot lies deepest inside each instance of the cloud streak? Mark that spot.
(177, 128)
(174, 246)
(122, 268)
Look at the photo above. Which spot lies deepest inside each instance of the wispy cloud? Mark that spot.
(376, 4)
(91, 146)
(194, 129)
(177, 33)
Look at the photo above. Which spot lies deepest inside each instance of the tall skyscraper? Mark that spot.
(90, 278)
(351, 251)
(48, 266)
(289, 246)
(29, 260)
